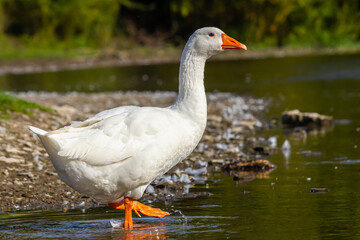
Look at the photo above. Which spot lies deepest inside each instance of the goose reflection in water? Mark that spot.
(141, 231)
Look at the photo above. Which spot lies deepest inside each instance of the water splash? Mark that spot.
(115, 223)
(184, 218)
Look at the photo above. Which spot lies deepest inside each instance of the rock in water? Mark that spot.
(254, 165)
(272, 141)
(244, 171)
(296, 118)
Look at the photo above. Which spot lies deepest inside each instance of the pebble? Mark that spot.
(5, 172)
(196, 172)
(27, 174)
(2, 130)
(174, 177)
(202, 163)
(201, 147)
(11, 160)
(218, 161)
(186, 189)
(184, 178)
(36, 158)
(150, 189)
(39, 167)
(164, 179)
(10, 149)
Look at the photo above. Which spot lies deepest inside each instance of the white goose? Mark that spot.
(117, 153)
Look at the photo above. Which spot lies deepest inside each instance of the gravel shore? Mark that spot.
(29, 181)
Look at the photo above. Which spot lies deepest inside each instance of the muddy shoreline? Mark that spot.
(29, 181)
(126, 58)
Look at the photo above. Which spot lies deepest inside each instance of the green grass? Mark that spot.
(44, 53)
(9, 103)
(26, 48)
(35, 53)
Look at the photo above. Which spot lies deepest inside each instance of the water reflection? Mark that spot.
(141, 231)
(247, 176)
(302, 133)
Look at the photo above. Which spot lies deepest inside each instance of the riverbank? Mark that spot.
(108, 58)
(29, 181)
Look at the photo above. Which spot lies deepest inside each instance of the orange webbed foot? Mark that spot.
(141, 208)
(130, 205)
(119, 205)
(148, 211)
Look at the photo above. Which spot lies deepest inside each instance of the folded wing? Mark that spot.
(112, 136)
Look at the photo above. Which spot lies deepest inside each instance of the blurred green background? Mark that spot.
(68, 28)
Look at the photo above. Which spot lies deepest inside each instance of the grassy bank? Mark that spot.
(9, 103)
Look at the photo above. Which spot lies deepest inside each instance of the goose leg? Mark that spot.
(128, 223)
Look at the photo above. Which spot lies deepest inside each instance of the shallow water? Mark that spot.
(278, 207)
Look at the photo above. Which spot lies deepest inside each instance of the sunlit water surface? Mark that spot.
(279, 207)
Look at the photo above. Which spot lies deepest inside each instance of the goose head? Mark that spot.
(209, 41)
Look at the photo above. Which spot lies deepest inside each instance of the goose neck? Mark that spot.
(191, 100)
(191, 75)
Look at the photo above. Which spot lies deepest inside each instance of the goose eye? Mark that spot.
(211, 34)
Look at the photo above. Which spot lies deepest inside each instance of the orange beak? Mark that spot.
(230, 43)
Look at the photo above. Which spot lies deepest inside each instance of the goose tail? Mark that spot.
(37, 131)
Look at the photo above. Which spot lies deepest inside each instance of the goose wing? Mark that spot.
(112, 136)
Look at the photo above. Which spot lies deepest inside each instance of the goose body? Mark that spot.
(118, 152)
